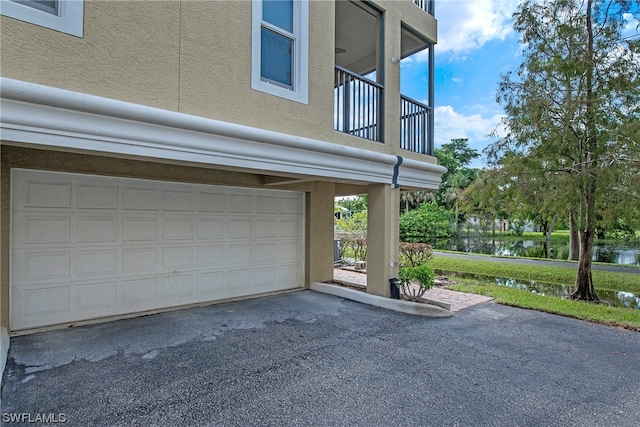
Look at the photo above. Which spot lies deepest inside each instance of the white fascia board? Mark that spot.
(425, 175)
(51, 117)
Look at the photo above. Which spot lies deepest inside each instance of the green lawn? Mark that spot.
(628, 282)
(614, 316)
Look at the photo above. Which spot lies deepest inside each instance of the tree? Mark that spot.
(571, 106)
(456, 157)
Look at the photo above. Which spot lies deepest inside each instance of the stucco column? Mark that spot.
(382, 237)
(319, 233)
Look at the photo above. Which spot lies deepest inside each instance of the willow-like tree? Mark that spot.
(571, 106)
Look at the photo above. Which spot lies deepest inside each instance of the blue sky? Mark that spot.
(476, 44)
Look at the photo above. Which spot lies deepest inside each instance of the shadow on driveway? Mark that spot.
(312, 359)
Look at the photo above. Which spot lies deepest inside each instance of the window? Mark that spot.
(280, 43)
(65, 16)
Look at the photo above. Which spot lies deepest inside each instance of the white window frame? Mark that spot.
(300, 73)
(70, 18)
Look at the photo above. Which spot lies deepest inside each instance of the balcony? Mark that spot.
(359, 94)
(426, 5)
(357, 105)
(414, 123)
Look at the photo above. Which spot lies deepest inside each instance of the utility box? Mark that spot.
(336, 249)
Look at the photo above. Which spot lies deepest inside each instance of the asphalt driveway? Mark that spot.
(312, 359)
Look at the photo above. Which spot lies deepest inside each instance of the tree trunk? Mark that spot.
(574, 238)
(584, 289)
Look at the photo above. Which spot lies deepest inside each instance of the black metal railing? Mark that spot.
(357, 105)
(414, 126)
(426, 5)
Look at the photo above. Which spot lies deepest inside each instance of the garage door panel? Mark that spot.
(212, 284)
(135, 291)
(290, 205)
(46, 265)
(93, 296)
(212, 256)
(97, 197)
(211, 228)
(239, 228)
(211, 202)
(46, 301)
(266, 252)
(239, 254)
(177, 257)
(144, 199)
(288, 275)
(289, 228)
(85, 247)
(178, 201)
(267, 204)
(139, 260)
(240, 203)
(289, 251)
(174, 286)
(96, 262)
(49, 229)
(178, 229)
(48, 195)
(140, 229)
(266, 228)
(102, 229)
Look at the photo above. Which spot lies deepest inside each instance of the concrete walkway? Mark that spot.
(457, 300)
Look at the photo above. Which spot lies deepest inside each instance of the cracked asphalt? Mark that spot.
(307, 359)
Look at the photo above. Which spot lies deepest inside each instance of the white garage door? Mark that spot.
(85, 246)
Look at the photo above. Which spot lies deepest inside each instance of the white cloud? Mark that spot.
(631, 24)
(450, 124)
(465, 25)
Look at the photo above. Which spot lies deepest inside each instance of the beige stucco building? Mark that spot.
(158, 154)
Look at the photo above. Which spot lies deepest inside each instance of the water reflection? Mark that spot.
(610, 298)
(558, 249)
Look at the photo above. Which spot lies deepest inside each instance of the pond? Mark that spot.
(608, 297)
(613, 253)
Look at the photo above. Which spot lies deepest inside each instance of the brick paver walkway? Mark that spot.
(458, 300)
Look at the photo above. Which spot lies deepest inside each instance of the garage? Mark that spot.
(86, 246)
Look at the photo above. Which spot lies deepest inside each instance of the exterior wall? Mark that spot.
(383, 238)
(319, 241)
(195, 57)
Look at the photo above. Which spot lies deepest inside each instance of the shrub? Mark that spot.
(427, 222)
(415, 281)
(353, 247)
(355, 225)
(414, 254)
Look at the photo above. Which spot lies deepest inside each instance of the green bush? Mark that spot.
(414, 254)
(421, 277)
(425, 223)
(353, 247)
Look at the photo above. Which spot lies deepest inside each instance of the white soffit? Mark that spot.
(52, 117)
